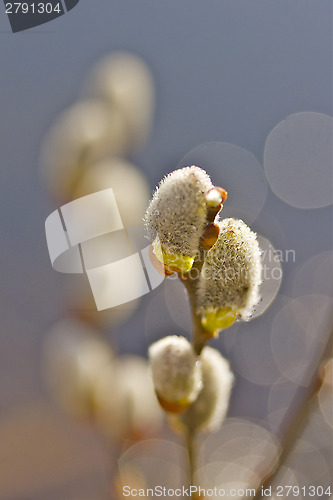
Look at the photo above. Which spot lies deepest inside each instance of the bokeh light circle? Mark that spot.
(298, 334)
(236, 170)
(160, 321)
(253, 356)
(151, 463)
(308, 460)
(241, 442)
(177, 302)
(315, 276)
(298, 160)
(280, 398)
(271, 276)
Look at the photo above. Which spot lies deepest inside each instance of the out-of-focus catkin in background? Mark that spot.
(116, 95)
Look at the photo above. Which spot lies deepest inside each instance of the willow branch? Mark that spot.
(299, 419)
(190, 445)
(199, 336)
(210, 234)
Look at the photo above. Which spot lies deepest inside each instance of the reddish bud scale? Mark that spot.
(210, 236)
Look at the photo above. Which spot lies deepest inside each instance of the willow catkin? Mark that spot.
(208, 411)
(229, 283)
(177, 215)
(176, 372)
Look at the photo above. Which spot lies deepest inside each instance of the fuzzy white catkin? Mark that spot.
(73, 359)
(86, 132)
(129, 185)
(177, 213)
(210, 408)
(231, 275)
(125, 401)
(125, 83)
(175, 370)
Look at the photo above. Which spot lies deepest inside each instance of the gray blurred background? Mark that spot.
(226, 71)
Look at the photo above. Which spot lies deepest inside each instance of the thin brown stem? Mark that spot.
(190, 281)
(190, 445)
(299, 419)
(200, 337)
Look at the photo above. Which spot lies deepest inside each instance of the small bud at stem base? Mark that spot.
(172, 406)
(175, 262)
(221, 319)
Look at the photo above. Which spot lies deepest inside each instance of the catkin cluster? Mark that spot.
(194, 390)
(193, 383)
(231, 273)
